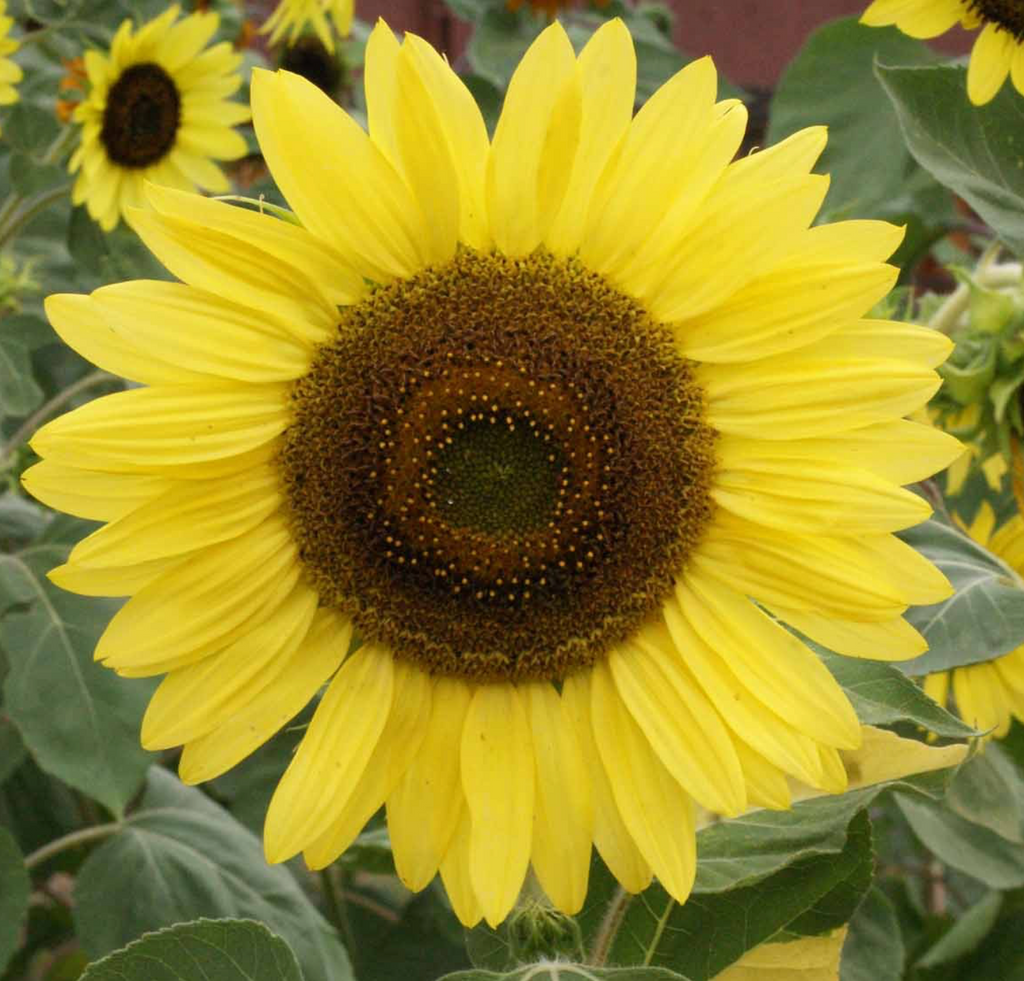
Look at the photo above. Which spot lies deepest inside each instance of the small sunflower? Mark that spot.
(290, 18)
(998, 51)
(558, 425)
(989, 695)
(10, 73)
(156, 111)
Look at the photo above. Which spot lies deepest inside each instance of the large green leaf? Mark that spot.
(874, 947)
(983, 619)
(181, 856)
(882, 695)
(206, 950)
(975, 151)
(14, 892)
(19, 393)
(558, 971)
(972, 848)
(988, 790)
(78, 719)
(966, 934)
(830, 82)
(712, 930)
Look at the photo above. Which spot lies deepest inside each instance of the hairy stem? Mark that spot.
(72, 840)
(610, 923)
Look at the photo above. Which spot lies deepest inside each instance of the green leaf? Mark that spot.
(28, 127)
(874, 946)
(966, 934)
(978, 152)
(19, 393)
(21, 521)
(181, 856)
(988, 790)
(12, 747)
(559, 971)
(206, 950)
(14, 892)
(971, 848)
(78, 719)
(983, 619)
(830, 82)
(882, 695)
(712, 930)
(500, 41)
(28, 177)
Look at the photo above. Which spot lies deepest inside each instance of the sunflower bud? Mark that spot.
(536, 931)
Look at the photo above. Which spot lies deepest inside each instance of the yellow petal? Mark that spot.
(766, 783)
(534, 143)
(883, 339)
(397, 747)
(607, 67)
(300, 677)
(89, 493)
(655, 809)
(887, 640)
(194, 700)
(455, 872)
(206, 603)
(156, 430)
(918, 580)
(333, 753)
(681, 725)
(806, 959)
(780, 670)
(563, 820)
(611, 837)
(120, 581)
(990, 63)
(498, 779)
(335, 178)
(424, 808)
(380, 77)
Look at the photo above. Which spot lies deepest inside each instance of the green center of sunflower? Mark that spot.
(142, 115)
(498, 467)
(1008, 14)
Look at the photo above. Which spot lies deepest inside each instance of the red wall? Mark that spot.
(751, 40)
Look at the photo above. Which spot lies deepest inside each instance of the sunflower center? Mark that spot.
(497, 467)
(142, 116)
(1008, 14)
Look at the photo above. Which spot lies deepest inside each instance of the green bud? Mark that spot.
(536, 931)
(990, 310)
(970, 370)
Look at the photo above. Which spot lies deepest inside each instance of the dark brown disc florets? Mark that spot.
(142, 116)
(1008, 14)
(498, 467)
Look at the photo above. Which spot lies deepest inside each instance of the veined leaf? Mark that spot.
(874, 946)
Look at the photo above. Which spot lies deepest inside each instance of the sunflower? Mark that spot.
(10, 73)
(988, 695)
(998, 51)
(291, 17)
(536, 420)
(157, 111)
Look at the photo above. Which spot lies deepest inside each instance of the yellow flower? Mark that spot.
(157, 111)
(291, 17)
(535, 418)
(10, 73)
(988, 695)
(998, 50)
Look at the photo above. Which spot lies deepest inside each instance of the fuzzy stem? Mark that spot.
(71, 840)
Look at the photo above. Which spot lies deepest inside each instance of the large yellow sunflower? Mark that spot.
(157, 111)
(989, 695)
(290, 18)
(536, 419)
(10, 73)
(998, 50)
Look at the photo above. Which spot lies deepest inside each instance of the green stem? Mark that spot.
(24, 432)
(337, 909)
(32, 207)
(609, 928)
(947, 317)
(72, 840)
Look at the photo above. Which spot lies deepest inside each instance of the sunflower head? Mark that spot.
(156, 110)
(564, 425)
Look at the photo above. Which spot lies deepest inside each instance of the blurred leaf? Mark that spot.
(500, 40)
(830, 82)
(78, 719)
(181, 856)
(14, 892)
(205, 950)
(882, 695)
(21, 522)
(488, 97)
(29, 128)
(370, 852)
(559, 971)
(29, 177)
(978, 152)
(113, 256)
(12, 747)
(713, 930)
(966, 934)
(874, 946)
(988, 790)
(983, 619)
(19, 393)
(969, 847)
(471, 10)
